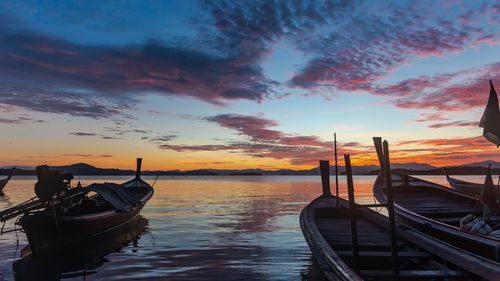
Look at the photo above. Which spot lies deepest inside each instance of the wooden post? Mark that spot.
(336, 169)
(324, 167)
(138, 169)
(390, 208)
(380, 154)
(352, 213)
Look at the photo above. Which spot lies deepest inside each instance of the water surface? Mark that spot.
(194, 228)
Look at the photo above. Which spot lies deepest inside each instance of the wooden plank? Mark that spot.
(325, 177)
(390, 208)
(352, 213)
(412, 273)
(405, 254)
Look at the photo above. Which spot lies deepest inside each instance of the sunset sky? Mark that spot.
(244, 84)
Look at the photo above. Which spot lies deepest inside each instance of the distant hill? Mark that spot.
(478, 168)
(494, 164)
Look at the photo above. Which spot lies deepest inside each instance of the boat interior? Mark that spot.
(435, 202)
(375, 252)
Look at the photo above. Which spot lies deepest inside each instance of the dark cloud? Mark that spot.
(166, 138)
(82, 134)
(142, 131)
(367, 45)
(351, 45)
(103, 81)
(87, 155)
(441, 93)
(20, 120)
(258, 130)
(261, 141)
(454, 124)
(352, 144)
(109, 138)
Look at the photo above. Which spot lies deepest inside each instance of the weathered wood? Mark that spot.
(390, 207)
(138, 169)
(336, 168)
(326, 230)
(422, 204)
(324, 167)
(352, 212)
(412, 273)
(378, 147)
(406, 254)
(49, 230)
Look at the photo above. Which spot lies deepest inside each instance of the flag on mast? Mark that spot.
(490, 120)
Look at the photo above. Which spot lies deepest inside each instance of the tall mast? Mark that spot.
(336, 169)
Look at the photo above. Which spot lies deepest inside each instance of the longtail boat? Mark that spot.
(351, 242)
(434, 209)
(62, 217)
(90, 255)
(3, 182)
(467, 187)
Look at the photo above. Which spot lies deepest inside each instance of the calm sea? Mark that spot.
(194, 228)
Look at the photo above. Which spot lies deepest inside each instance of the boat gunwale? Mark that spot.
(438, 249)
(329, 256)
(96, 215)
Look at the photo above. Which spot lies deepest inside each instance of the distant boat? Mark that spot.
(327, 225)
(3, 182)
(436, 210)
(467, 187)
(71, 216)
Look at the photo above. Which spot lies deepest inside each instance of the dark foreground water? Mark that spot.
(194, 228)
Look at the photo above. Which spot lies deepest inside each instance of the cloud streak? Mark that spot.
(260, 141)
(103, 81)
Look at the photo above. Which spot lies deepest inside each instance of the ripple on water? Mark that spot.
(195, 228)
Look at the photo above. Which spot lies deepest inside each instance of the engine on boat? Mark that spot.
(51, 182)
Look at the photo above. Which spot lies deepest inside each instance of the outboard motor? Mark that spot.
(51, 182)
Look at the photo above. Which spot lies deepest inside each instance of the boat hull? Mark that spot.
(3, 183)
(46, 235)
(327, 233)
(469, 187)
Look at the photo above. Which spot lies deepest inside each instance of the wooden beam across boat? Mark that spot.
(435, 210)
(327, 227)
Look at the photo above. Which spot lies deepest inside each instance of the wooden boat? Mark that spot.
(351, 242)
(80, 261)
(435, 210)
(78, 215)
(3, 182)
(467, 187)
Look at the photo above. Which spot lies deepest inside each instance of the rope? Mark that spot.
(55, 216)
(155, 180)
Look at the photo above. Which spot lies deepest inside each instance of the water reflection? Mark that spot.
(78, 261)
(199, 228)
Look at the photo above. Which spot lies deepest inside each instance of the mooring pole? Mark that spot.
(352, 213)
(324, 168)
(390, 208)
(336, 169)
